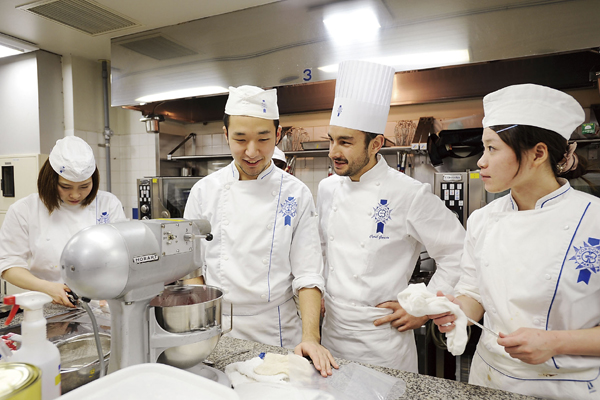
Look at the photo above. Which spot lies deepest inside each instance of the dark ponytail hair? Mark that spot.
(522, 138)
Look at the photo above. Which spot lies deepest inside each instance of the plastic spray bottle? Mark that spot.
(35, 348)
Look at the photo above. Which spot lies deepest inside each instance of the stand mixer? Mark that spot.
(128, 264)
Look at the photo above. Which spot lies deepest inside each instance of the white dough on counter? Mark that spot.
(243, 372)
(273, 364)
(275, 368)
(419, 301)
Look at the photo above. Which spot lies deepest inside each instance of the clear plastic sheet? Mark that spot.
(351, 382)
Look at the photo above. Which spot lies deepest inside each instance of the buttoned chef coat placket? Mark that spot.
(535, 269)
(371, 234)
(33, 239)
(265, 248)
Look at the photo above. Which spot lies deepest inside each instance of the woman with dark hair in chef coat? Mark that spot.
(531, 258)
(37, 227)
(279, 158)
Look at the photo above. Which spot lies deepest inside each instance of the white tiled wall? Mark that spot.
(132, 157)
(212, 143)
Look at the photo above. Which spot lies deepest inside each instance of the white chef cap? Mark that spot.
(73, 159)
(252, 101)
(533, 105)
(363, 93)
(279, 155)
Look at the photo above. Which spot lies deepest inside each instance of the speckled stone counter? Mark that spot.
(49, 311)
(231, 350)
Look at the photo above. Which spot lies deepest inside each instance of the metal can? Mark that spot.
(20, 381)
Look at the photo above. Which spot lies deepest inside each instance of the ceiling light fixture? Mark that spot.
(425, 60)
(361, 24)
(10, 45)
(418, 60)
(183, 93)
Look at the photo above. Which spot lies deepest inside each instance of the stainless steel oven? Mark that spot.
(461, 192)
(164, 196)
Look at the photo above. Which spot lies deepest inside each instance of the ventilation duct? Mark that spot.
(84, 15)
(158, 47)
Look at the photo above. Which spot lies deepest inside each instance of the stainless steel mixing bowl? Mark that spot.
(189, 308)
(79, 362)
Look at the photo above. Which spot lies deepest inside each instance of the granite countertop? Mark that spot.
(50, 310)
(230, 350)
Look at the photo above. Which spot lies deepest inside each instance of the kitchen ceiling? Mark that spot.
(291, 42)
(57, 38)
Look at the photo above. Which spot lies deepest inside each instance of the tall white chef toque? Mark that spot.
(73, 159)
(363, 93)
(252, 101)
(533, 105)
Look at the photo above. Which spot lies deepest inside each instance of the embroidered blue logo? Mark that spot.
(104, 218)
(62, 169)
(339, 110)
(264, 105)
(587, 258)
(382, 214)
(288, 209)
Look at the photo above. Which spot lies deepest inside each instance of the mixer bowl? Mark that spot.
(189, 308)
(79, 360)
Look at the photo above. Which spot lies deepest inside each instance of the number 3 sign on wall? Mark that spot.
(307, 75)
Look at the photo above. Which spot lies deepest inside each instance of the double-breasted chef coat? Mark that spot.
(32, 238)
(371, 233)
(265, 248)
(535, 269)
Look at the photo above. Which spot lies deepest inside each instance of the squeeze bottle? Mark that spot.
(35, 348)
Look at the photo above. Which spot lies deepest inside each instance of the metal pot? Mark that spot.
(181, 309)
(79, 362)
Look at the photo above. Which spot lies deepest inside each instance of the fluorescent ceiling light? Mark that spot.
(9, 46)
(329, 68)
(6, 51)
(182, 93)
(354, 25)
(419, 60)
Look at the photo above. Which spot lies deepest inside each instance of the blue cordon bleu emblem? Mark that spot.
(587, 258)
(288, 209)
(339, 110)
(382, 214)
(104, 218)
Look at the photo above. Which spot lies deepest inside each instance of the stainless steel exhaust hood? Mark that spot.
(287, 44)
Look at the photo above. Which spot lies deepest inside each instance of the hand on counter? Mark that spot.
(320, 356)
(399, 318)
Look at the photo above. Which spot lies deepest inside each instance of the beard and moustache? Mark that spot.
(354, 167)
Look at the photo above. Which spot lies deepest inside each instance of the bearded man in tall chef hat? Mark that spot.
(373, 222)
(265, 249)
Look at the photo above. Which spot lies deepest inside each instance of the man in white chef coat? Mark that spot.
(266, 246)
(373, 221)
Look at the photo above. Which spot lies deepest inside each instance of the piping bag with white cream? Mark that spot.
(419, 301)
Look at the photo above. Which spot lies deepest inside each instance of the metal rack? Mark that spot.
(303, 153)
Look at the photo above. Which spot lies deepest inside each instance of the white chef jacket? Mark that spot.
(371, 233)
(33, 239)
(536, 269)
(265, 248)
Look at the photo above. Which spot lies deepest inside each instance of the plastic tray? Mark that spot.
(150, 382)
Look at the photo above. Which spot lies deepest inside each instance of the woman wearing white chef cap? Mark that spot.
(37, 227)
(531, 258)
(279, 158)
